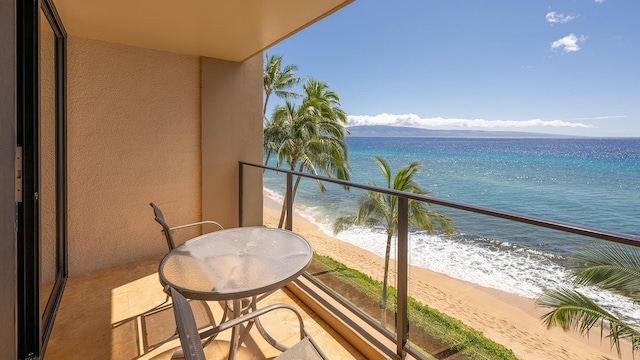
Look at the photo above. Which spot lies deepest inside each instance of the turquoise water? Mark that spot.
(589, 182)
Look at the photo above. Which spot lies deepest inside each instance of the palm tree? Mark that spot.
(276, 80)
(611, 267)
(273, 136)
(310, 137)
(377, 209)
(327, 102)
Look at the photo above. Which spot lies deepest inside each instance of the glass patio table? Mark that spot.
(236, 265)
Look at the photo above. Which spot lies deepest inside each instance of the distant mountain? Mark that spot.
(401, 131)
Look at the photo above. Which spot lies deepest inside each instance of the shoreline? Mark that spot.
(509, 319)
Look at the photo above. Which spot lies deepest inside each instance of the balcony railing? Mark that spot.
(402, 272)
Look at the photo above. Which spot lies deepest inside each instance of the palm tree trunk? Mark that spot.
(387, 255)
(293, 196)
(283, 211)
(266, 99)
(267, 160)
(383, 296)
(295, 188)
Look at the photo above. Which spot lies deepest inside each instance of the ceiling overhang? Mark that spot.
(230, 30)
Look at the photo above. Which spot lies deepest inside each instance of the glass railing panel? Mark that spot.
(250, 188)
(273, 190)
(488, 275)
(350, 263)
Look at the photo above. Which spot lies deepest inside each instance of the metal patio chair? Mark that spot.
(168, 231)
(190, 339)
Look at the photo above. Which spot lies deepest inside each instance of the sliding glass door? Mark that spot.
(42, 148)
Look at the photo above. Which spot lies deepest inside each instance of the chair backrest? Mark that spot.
(166, 230)
(187, 327)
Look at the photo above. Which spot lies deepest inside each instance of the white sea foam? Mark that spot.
(505, 267)
(308, 213)
(501, 267)
(273, 195)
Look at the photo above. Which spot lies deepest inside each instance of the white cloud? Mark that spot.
(605, 117)
(412, 120)
(555, 18)
(569, 42)
(599, 1)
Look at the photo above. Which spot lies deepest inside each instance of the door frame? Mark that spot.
(8, 236)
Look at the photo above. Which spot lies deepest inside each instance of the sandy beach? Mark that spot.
(508, 319)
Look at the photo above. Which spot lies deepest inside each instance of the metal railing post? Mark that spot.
(289, 200)
(402, 325)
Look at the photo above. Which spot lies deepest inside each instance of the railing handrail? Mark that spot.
(532, 220)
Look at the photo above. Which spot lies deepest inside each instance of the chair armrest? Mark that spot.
(197, 223)
(252, 315)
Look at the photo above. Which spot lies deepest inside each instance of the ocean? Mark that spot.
(589, 182)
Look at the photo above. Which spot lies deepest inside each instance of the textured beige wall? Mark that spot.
(133, 138)
(231, 132)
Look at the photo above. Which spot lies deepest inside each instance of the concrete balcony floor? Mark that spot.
(118, 313)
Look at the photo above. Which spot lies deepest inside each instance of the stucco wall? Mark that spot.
(133, 137)
(231, 131)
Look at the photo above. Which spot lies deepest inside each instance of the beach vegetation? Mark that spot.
(431, 330)
(378, 209)
(610, 267)
(309, 136)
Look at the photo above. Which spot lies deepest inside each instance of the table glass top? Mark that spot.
(234, 263)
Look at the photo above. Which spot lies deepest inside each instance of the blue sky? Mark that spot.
(563, 67)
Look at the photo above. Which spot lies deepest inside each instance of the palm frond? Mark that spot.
(384, 168)
(611, 267)
(372, 206)
(343, 223)
(571, 310)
